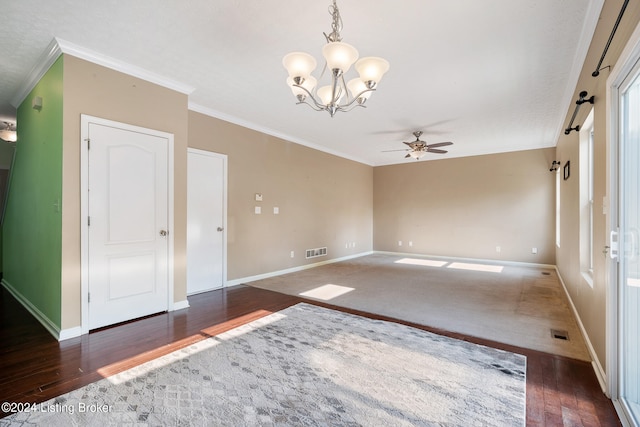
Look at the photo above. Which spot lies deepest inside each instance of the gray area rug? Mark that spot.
(310, 366)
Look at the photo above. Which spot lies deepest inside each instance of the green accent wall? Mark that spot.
(32, 229)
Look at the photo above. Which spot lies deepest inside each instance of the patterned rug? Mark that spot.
(307, 366)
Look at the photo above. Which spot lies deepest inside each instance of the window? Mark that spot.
(586, 198)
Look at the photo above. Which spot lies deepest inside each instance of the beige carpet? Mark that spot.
(517, 305)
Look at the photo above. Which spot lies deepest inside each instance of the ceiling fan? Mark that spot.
(419, 148)
(8, 132)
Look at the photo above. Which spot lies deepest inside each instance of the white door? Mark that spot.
(206, 207)
(127, 224)
(629, 245)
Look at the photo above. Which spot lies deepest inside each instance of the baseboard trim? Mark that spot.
(180, 305)
(65, 334)
(48, 324)
(601, 374)
(482, 260)
(244, 280)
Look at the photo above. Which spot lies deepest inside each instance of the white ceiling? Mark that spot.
(491, 76)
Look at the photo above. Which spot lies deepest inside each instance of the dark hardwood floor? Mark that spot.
(34, 367)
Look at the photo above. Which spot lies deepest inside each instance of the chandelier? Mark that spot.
(339, 57)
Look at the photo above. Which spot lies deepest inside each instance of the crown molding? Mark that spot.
(44, 62)
(249, 125)
(58, 46)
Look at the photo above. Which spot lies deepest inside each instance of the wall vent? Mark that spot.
(314, 253)
(560, 335)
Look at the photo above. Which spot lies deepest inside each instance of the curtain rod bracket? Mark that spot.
(581, 100)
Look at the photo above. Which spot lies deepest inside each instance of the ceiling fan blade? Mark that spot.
(439, 144)
(388, 151)
(435, 150)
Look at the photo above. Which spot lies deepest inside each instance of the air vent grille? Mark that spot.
(314, 253)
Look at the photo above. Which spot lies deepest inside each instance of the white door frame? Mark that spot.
(626, 62)
(84, 208)
(224, 159)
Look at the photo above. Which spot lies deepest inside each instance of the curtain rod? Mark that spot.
(596, 73)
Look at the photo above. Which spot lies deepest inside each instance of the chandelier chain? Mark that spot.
(336, 24)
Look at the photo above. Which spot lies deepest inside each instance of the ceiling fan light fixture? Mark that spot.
(8, 132)
(417, 154)
(339, 57)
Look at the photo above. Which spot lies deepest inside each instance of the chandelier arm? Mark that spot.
(313, 98)
(356, 98)
(346, 91)
(310, 106)
(349, 107)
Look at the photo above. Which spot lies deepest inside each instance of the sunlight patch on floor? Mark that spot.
(326, 292)
(476, 267)
(426, 262)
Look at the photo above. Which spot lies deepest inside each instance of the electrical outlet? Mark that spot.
(292, 254)
(534, 250)
(399, 242)
(410, 243)
(498, 249)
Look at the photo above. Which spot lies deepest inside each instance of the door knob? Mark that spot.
(163, 233)
(220, 228)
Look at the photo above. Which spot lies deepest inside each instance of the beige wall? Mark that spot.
(590, 302)
(323, 200)
(466, 207)
(98, 91)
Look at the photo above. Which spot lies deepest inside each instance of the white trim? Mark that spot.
(59, 46)
(268, 131)
(46, 60)
(84, 209)
(244, 280)
(225, 186)
(48, 324)
(624, 65)
(123, 67)
(66, 334)
(601, 374)
(180, 305)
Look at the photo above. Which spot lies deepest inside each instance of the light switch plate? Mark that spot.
(258, 210)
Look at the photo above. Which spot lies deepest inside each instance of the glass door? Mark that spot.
(629, 245)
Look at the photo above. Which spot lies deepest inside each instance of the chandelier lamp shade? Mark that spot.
(338, 95)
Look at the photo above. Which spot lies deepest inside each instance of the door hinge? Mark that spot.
(88, 143)
(88, 221)
(89, 297)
